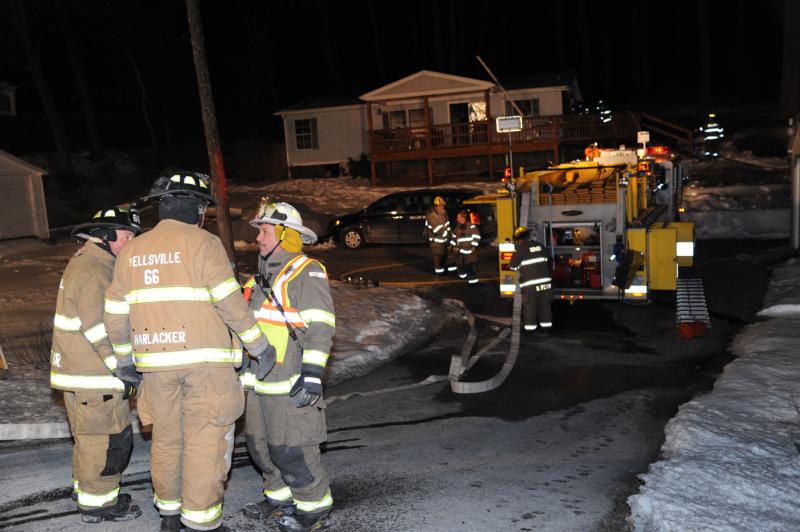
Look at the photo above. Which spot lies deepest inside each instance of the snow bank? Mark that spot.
(731, 458)
(375, 326)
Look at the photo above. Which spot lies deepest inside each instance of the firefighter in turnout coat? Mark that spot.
(437, 229)
(530, 260)
(82, 365)
(285, 416)
(464, 243)
(175, 310)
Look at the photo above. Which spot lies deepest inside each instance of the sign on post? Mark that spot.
(508, 124)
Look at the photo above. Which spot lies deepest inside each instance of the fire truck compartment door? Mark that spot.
(685, 244)
(662, 258)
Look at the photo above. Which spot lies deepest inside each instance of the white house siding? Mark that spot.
(341, 133)
(23, 211)
(550, 102)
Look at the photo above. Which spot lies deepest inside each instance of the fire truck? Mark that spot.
(610, 223)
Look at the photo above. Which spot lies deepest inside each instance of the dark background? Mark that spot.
(265, 55)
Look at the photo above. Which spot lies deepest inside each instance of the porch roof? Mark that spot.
(426, 83)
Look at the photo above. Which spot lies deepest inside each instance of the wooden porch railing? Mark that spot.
(539, 129)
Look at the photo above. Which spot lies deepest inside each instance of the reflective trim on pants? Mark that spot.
(281, 495)
(315, 506)
(203, 516)
(169, 506)
(96, 501)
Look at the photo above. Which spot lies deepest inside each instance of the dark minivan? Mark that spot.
(399, 218)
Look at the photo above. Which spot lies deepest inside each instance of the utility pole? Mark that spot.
(213, 146)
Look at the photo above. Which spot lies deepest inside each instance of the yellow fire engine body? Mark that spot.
(615, 207)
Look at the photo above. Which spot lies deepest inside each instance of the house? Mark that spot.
(431, 127)
(23, 211)
(321, 134)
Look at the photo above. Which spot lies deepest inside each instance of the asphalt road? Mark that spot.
(557, 447)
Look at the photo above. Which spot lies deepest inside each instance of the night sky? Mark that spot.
(266, 55)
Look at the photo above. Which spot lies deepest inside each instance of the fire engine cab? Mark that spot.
(610, 223)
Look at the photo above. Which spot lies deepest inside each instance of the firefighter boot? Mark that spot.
(122, 510)
(171, 523)
(303, 522)
(267, 509)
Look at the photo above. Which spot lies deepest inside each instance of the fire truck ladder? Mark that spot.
(691, 307)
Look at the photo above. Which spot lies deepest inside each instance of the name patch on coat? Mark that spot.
(155, 259)
(163, 337)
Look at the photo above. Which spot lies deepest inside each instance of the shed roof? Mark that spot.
(10, 165)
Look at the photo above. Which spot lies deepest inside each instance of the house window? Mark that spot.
(529, 107)
(305, 134)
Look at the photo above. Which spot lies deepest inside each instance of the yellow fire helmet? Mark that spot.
(282, 213)
(438, 200)
(521, 233)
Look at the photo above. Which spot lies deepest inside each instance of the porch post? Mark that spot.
(426, 104)
(489, 133)
(374, 177)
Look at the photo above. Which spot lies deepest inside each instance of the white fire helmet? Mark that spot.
(282, 213)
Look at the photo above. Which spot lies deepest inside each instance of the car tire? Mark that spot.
(352, 238)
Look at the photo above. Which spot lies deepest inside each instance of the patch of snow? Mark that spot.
(730, 457)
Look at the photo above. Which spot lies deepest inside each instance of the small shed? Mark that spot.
(23, 211)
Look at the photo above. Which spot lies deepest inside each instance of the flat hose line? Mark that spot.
(462, 363)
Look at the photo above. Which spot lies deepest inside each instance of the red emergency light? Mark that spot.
(506, 255)
(657, 150)
(507, 173)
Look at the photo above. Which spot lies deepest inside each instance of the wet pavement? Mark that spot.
(557, 447)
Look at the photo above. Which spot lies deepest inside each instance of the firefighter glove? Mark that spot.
(264, 361)
(306, 390)
(130, 378)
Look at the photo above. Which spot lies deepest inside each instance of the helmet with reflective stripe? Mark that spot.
(438, 200)
(126, 218)
(282, 213)
(521, 233)
(186, 184)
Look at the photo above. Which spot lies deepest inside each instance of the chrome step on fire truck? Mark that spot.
(614, 214)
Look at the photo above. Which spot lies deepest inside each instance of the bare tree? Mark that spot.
(213, 146)
(18, 17)
(143, 97)
(89, 116)
(790, 82)
(376, 40)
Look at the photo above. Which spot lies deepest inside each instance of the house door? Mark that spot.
(459, 122)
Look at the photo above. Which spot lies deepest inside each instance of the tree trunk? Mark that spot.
(438, 38)
(330, 51)
(376, 41)
(143, 98)
(19, 21)
(790, 82)
(704, 53)
(213, 146)
(453, 37)
(89, 117)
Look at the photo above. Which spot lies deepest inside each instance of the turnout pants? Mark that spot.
(536, 307)
(439, 254)
(101, 427)
(193, 411)
(283, 441)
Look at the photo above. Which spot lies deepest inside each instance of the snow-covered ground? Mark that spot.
(731, 458)
(738, 196)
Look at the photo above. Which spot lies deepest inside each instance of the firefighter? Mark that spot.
(82, 365)
(285, 415)
(170, 310)
(437, 227)
(530, 260)
(464, 242)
